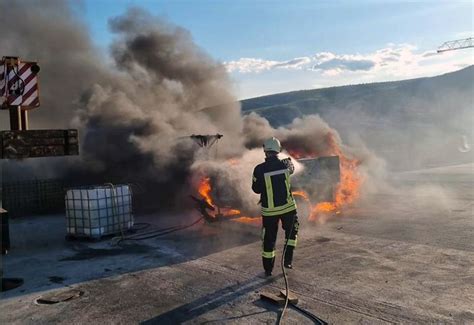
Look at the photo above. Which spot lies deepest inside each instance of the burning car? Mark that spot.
(319, 179)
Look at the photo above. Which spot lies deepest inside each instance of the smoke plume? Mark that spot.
(134, 112)
(136, 108)
(162, 83)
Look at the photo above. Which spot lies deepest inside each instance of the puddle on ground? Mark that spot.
(88, 253)
(323, 239)
(56, 279)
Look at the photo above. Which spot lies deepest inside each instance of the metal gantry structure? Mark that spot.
(456, 45)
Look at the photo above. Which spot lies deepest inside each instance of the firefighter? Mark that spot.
(271, 179)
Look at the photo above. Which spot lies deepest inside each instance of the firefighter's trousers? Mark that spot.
(290, 225)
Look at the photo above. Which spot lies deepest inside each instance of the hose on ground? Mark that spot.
(308, 314)
(157, 232)
(285, 276)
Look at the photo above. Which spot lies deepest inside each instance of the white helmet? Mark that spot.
(272, 144)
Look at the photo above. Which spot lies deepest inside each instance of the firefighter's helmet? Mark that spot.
(272, 144)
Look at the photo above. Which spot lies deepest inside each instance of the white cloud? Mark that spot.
(251, 65)
(296, 63)
(464, 34)
(395, 59)
(326, 69)
(430, 53)
(333, 64)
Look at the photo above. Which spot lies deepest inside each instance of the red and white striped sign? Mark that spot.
(18, 85)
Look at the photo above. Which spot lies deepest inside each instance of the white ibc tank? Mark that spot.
(98, 211)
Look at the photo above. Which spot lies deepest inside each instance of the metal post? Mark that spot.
(24, 119)
(1, 185)
(15, 118)
(1, 216)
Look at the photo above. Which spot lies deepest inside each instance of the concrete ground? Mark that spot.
(402, 256)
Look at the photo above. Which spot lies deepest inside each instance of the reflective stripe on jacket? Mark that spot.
(271, 180)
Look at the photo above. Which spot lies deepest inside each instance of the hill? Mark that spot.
(411, 123)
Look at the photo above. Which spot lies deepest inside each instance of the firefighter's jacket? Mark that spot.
(271, 180)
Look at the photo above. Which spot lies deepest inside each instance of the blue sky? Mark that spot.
(276, 46)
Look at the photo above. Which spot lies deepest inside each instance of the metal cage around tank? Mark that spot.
(98, 211)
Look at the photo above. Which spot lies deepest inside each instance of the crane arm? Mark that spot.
(456, 45)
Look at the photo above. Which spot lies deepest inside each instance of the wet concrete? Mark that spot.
(399, 257)
(88, 253)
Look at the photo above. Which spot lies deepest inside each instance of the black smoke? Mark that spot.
(136, 107)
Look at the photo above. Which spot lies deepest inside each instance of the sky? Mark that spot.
(277, 46)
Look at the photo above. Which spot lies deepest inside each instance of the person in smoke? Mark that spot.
(271, 179)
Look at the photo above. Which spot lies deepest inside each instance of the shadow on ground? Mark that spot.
(45, 260)
(212, 301)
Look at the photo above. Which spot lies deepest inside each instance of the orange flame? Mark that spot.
(302, 194)
(345, 193)
(204, 189)
(233, 161)
(232, 212)
(298, 155)
(248, 220)
(347, 190)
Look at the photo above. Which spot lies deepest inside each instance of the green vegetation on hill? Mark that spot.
(381, 99)
(411, 123)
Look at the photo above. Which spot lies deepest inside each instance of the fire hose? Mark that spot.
(308, 314)
(157, 232)
(285, 276)
(167, 230)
